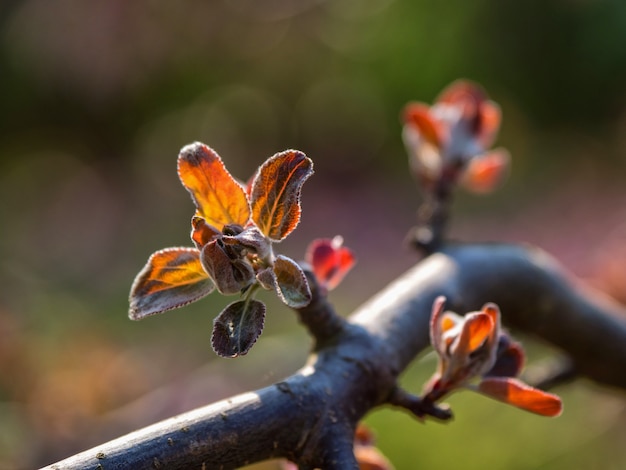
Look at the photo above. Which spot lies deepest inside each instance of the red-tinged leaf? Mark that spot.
(172, 278)
(330, 261)
(275, 196)
(487, 172)
(517, 393)
(237, 328)
(462, 90)
(489, 122)
(467, 98)
(219, 198)
(363, 435)
(291, 284)
(419, 116)
(476, 329)
(436, 333)
(229, 273)
(201, 232)
(493, 311)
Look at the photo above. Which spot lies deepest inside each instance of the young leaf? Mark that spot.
(517, 393)
(419, 116)
(330, 261)
(461, 91)
(173, 277)
(275, 194)
(490, 117)
(237, 328)
(486, 172)
(219, 198)
(230, 274)
(450, 321)
(476, 329)
(291, 284)
(201, 232)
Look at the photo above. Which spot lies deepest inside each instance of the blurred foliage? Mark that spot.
(98, 97)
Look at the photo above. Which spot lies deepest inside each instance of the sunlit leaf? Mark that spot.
(476, 329)
(493, 311)
(229, 273)
(275, 195)
(237, 328)
(490, 117)
(219, 198)
(418, 116)
(462, 90)
(449, 320)
(291, 284)
(451, 325)
(172, 278)
(487, 172)
(517, 393)
(330, 260)
(201, 232)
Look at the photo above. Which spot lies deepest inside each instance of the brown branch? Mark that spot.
(310, 417)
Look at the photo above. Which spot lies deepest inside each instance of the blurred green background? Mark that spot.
(97, 98)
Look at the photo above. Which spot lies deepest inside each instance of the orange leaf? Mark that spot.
(493, 311)
(460, 91)
(451, 323)
(449, 320)
(517, 393)
(419, 116)
(476, 329)
(489, 116)
(201, 232)
(219, 198)
(173, 277)
(486, 172)
(275, 194)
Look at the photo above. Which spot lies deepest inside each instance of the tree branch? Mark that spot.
(310, 417)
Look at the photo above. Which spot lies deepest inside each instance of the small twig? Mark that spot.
(418, 407)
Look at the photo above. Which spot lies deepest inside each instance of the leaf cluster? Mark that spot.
(233, 230)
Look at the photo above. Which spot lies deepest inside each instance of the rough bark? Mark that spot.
(310, 417)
